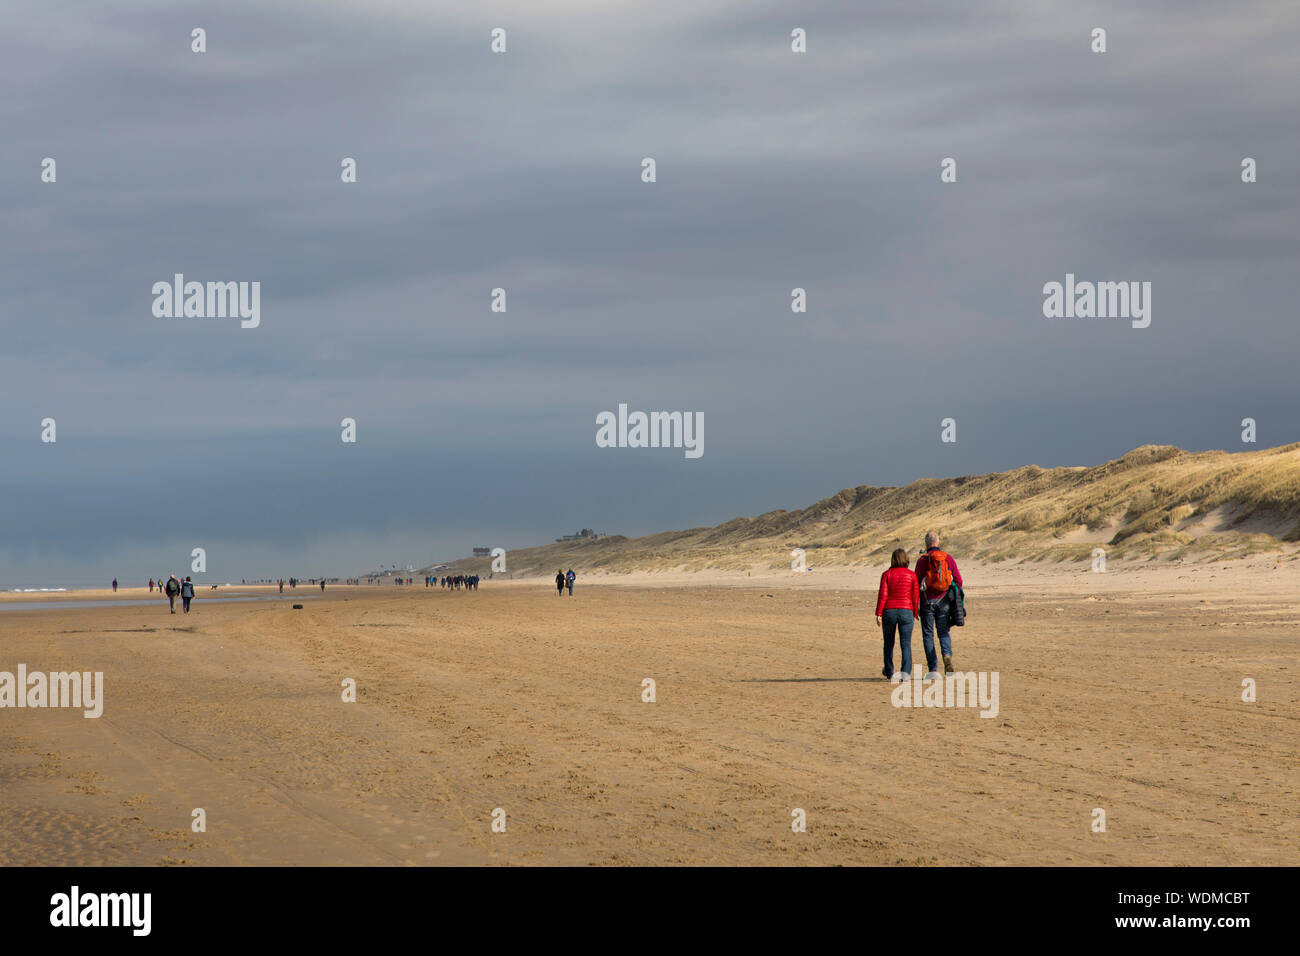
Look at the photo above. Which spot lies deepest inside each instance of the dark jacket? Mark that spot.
(957, 605)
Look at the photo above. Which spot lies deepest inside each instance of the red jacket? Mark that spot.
(899, 589)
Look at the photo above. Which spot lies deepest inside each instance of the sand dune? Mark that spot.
(1156, 501)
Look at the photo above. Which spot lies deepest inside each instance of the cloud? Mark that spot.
(522, 171)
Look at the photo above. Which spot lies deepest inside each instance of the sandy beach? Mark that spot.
(1119, 691)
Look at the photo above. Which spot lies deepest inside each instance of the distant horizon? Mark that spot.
(85, 581)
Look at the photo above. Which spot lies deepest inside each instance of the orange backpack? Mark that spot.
(938, 576)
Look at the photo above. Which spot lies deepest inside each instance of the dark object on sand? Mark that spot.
(297, 607)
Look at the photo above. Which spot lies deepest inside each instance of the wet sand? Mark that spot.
(1120, 691)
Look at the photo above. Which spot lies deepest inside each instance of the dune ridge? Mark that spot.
(1157, 501)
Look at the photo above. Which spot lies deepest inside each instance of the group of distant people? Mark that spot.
(453, 582)
(294, 582)
(933, 592)
(173, 588)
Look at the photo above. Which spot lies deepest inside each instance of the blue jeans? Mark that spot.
(934, 615)
(900, 618)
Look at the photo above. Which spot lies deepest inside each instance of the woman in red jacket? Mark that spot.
(897, 607)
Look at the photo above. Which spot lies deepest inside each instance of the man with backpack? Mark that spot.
(937, 572)
(173, 589)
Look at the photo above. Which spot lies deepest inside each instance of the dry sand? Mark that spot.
(1120, 691)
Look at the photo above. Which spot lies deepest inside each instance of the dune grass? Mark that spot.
(1156, 501)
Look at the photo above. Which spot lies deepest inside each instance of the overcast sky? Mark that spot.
(522, 170)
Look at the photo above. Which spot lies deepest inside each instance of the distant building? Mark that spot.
(482, 552)
(586, 534)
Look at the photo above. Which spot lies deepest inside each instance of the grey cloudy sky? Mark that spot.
(522, 171)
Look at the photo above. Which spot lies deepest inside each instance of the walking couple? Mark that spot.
(934, 593)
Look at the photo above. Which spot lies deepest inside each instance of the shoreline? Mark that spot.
(1172, 576)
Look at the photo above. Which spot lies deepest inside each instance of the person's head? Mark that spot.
(931, 539)
(187, 577)
(899, 559)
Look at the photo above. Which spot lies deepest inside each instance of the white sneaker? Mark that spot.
(933, 675)
(899, 676)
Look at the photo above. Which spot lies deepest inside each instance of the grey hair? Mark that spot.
(932, 539)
